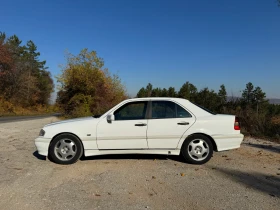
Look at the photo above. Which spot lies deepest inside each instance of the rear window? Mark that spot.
(207, 110)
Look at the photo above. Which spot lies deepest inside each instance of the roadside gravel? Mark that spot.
(245, 178)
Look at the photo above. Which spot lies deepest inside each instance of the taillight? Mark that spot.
(236, 124)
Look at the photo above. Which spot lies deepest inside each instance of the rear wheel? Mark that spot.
(197, 149)
(65, 149)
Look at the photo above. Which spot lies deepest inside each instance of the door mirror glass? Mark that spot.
(110, 118)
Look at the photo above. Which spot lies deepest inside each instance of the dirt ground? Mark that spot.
(245, 178)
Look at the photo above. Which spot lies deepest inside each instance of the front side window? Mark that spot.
(168, 109)
(131, 111)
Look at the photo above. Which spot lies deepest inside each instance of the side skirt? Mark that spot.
(128, 151)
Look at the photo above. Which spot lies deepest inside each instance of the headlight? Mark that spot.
(42, 132)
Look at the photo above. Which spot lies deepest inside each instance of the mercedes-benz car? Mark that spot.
(166, 126)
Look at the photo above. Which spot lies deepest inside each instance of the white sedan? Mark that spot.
(169, 126)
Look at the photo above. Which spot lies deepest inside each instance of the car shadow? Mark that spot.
(134, 157)
(38, 156)
(123, 157)
(264, 146)
(262, 182)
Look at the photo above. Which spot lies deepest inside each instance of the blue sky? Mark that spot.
(163, 42)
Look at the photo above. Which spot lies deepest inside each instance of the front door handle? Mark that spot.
(140, 124)
(183, 123)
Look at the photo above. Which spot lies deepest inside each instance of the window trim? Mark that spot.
(150, 110)
(133, 102)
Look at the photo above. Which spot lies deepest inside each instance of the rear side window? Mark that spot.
(182, 113)
(168, 109)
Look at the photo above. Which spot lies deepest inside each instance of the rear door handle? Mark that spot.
(140, 124)
(183, 123)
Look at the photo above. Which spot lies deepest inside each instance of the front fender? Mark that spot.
(84, 131)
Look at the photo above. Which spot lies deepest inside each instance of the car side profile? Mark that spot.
(167, 126)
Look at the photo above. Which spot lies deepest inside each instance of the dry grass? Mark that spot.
(10, 109)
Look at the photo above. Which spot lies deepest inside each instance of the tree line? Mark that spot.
(86, 88)
(24, 78)
(204, 97)
(258, 117)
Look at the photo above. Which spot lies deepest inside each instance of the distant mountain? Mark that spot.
(274, 100)
(232, 98)
(271, 100)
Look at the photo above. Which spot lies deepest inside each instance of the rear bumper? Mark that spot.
(227, 142)
(42, 145)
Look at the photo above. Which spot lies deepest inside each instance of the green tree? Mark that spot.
(253, 97)
(141, 93)
(85, 84)
(164, 93)
(149, 90)
(12, 77)
(248, 93)
(171, 92)
(259, 95)
(208, 99)
(188, 91)
(24, 79)
(156, 92)
(259, 99)
(222, 97)
(223, 94)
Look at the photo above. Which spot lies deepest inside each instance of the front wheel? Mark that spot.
(197, 149)
(65, 149)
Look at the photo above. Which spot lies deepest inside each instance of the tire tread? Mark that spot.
(184, 149)
(78, 142)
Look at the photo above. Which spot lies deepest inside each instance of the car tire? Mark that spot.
(197, 149)
(65, 149)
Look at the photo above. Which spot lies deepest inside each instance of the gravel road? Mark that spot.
(24, 118)
(246, 178)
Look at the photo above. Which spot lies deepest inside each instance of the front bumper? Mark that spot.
(42, 145)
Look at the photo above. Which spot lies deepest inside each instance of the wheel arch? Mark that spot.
(215, 148)
(83, 150)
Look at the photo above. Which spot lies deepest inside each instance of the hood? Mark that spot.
(72, 121)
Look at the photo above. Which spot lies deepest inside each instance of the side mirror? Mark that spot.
(110, 118)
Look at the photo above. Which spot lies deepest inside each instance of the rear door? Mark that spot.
(168, 122)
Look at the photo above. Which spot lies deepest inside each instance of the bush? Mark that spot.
(87, 87)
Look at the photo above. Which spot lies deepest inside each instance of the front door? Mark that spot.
(127, 131)
(167, 123)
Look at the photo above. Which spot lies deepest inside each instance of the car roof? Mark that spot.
(192, 108)
(157, 98)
